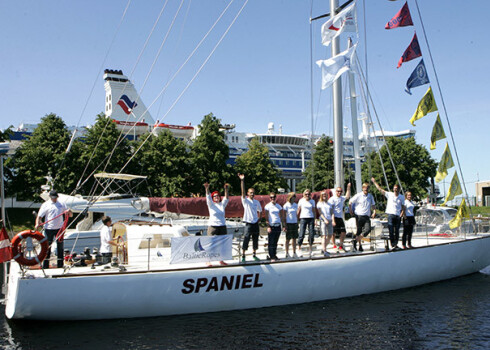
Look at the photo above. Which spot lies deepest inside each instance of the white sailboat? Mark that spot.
(147, 286)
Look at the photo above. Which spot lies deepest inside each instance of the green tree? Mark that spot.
(42, 154)
(260, 172)
(209, 154)
(164, 159)
(104, 150)
(6, 134)
(413, 163)
(321, 168)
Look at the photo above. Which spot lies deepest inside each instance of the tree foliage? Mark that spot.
(209, 154)
(260, 172)
(42, 154)
(6, 134)
(413, 162)
(164, 159)
(319, 173)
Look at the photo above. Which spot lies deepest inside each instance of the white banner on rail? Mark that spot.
(201, 249)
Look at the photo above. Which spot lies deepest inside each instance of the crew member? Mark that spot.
(106, 240)
(338, 201)
(395, 208)
(306, 214)
(325, 214)
(251, 214)
(52, 211)
(291, 228)
(274, 218)
(408, 221)
(364, 205)
(216, 208)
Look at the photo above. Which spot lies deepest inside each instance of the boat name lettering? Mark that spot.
(216, 284)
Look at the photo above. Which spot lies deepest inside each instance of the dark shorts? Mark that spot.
(339, 226)
(252, 228)
(292, 231)
(217, 230)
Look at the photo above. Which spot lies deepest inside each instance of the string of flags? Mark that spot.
(428, 105)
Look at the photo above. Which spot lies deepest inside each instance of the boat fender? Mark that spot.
(18, 254)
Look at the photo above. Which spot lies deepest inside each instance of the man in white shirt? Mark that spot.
(52, 211)
(364, 205)
(395, 208)
(306, 214)
(274, 217)
(338, 202)
(251, 214)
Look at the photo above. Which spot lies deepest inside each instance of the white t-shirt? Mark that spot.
(291, 213)
(250, 209)
(394, 203)
(105, 237)
(49, 210)
(274, 213)
(363, 203)
(307, 208)
(326, 209)
(338, 205)
(216, 211)
(409, 208)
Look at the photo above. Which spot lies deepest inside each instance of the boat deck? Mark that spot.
(373, 246)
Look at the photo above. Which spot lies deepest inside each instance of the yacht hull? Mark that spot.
(199, 290)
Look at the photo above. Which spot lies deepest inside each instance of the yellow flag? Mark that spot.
(445, 163)
(462, 213)
(454, 190)
(437, 133)
(426, 105)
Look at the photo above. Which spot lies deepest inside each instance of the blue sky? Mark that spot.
(52, 52)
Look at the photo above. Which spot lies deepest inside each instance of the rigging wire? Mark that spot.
(97, 77)
(148, 75)
(173, 77)
(189, 57)
(206, 60)
(124, 89)
(370, 120)
(384, 138)
(444, 106)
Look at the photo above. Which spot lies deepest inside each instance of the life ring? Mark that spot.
(17, 249)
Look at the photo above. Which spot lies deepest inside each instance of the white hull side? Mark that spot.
(160, 293)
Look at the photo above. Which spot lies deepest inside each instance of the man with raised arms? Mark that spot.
(251, 214)
(395, 208)
(364, 205)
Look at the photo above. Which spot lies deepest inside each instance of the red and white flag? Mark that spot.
(345, 20)
(5, 247)
(401, 19)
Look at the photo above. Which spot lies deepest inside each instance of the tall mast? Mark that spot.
(355, 129)
(337, 111)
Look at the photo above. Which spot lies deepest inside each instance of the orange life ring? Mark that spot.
(17, 249)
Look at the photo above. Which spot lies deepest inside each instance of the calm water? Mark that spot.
(453, 314)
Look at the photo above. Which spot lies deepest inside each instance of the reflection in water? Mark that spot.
(451, 314)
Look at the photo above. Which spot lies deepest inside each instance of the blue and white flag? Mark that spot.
(418, 77)
(334, 67)
(192, 249)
